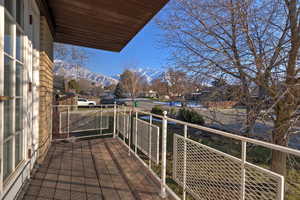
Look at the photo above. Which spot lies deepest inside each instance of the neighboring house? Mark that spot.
(150, 94)
(164, 97)
(215, 93)
(28, 29)
(194, 96)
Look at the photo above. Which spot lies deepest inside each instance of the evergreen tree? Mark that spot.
(119, 91)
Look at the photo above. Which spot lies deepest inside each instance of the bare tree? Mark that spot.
(174, 83)
(177, 82)
(160, 86)
(254, 43)
(97, 90)
(132, 82)
(70, 54)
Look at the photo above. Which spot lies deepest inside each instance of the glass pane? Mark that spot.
(8, 84)
(7, 159)
(19, 79)
(19, 149)
(19, 46)
(20, 12)
(8, 36)
(9, 5)
(8, 113)
(18, 115)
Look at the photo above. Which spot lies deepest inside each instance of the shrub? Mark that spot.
(172, 112)
(157, 110)
(190, 116)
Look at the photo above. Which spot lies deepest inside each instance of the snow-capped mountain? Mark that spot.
(149, 74)
(72, 71)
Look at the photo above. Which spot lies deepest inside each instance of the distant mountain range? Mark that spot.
(71, 71)
(149, 74)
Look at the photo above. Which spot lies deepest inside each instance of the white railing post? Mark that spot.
(243, 171)
(98, 122)
(129, 132)
(164, 155)
(136, 134)
(150, 142)
(184, 163)
(51, 123)
(124, 126)
(68, 121)
(101, 119)
(115, 119)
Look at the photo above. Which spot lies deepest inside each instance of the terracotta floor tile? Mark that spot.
(92, 170)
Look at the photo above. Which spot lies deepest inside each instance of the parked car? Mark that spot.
(85, 102)
(120, 102)
(108, 100)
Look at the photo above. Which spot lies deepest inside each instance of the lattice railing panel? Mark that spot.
(154, 144)
(145, 139)
(213, 175)
(261, 184)
(79, 121)
(63, 122)
(124, 124)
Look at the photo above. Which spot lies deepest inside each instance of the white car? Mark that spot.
(85, 102)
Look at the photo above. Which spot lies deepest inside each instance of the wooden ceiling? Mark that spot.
(100, 24)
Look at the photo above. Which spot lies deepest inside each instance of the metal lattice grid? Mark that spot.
(147, 139)
(80, 121)
(124, 124)
(211, 174)
(63, 122)
(262, 184)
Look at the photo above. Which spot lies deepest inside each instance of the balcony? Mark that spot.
(110, 152)
(91, 169)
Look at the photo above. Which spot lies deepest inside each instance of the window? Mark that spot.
(9, 6)
(8, 35)
(20, 12)
(13, 136)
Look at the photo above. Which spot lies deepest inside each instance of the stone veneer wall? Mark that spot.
(45, 89)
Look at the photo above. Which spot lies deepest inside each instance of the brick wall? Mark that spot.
(46, 88)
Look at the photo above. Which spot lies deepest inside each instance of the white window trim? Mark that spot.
(30, 7)
(1, 88)
(34, 11)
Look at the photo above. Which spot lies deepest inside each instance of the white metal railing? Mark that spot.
(71, 119)
(203, 172)
(197, 170)
(124, 123)
(79, 121)
(207, 173)
(145, 137)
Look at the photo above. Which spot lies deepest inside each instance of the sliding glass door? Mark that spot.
(12, 83)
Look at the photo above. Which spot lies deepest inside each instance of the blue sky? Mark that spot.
(143, 50)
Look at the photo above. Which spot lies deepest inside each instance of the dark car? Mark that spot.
(107, 101)
(112, 101)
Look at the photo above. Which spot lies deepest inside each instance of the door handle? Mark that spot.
(5, 98)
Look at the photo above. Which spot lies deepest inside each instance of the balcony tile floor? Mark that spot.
(91, 170)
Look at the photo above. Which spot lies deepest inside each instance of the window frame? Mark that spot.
(21, 133)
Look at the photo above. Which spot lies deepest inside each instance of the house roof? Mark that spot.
(100, 24)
